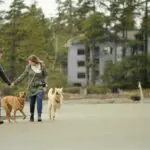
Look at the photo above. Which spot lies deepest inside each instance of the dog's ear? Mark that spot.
(61, 89)
(53, 90)
(24, 94)
(19, 94)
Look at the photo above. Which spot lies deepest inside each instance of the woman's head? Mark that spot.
(33, 59)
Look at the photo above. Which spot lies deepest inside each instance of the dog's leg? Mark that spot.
(11, 117)
(8, 117)
(54, 112)
(15, 115)
(50, 112)
(8, 112)
(24, 115)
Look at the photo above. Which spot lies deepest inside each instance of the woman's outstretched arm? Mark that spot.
(22, 76)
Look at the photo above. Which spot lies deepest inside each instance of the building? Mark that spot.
(105, 52)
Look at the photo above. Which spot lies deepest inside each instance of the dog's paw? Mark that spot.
(24, 117)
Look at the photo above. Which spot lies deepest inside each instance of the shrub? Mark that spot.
(123, 85)
(73, 90)
(126, 73)
(56, 79)
(97, 90)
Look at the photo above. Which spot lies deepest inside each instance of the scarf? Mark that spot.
(36, 68)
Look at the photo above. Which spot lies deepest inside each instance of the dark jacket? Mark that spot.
(36, 81)
(3, 76)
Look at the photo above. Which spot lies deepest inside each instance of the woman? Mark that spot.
(36, 85)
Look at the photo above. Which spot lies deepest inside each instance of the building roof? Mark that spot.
(130, 34)
(108, 36)
(75, 40)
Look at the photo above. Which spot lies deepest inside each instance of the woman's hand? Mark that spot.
(46, 88)
(12, 85)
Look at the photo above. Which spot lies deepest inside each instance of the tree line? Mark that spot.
(92, 19)
(25, 30)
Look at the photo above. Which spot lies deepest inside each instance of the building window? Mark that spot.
(97, 74)
(97, 61)
(81, 51)
(81, 63)
(107, 51)
(97, 51)
(81, 75)
(119, 50)
(119, 53)
(77, 84)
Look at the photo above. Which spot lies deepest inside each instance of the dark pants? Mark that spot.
(39, 98)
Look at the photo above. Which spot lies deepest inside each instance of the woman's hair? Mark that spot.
(1, 51)
(34, 59)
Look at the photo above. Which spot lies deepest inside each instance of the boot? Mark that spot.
(39, 118)
(32, 117)
(1, 122)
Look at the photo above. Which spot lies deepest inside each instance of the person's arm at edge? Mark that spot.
(3, 76)
(22, 76)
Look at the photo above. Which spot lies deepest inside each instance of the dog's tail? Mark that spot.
(4, 104)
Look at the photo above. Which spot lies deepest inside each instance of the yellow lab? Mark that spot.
(54, 101)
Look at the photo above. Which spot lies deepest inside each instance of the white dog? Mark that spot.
(54, 101)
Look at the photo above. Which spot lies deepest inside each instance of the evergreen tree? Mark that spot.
(13, 33)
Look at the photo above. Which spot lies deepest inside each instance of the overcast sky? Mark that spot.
(48, 6)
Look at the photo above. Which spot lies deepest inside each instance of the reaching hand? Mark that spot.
(46, 88)
(12, 84)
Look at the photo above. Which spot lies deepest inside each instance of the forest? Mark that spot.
(25, 30)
